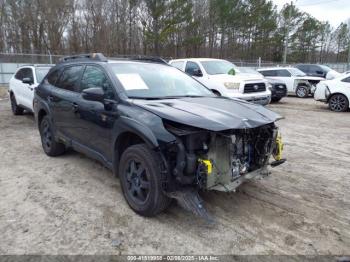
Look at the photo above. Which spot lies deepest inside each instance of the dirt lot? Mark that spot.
(73, 205)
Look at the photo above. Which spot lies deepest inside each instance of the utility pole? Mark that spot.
(287, 34)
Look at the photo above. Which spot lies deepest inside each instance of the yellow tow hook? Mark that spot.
(277, 152)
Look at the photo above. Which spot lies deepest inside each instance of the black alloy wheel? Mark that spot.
(338, 103)
(50, 145)
(138, 182)
(140, 178)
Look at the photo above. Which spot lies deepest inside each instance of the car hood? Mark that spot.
(211, 113)
(236, 78)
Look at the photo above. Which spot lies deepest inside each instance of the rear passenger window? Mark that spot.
(283, 73)
(53, 77)
(95, 77)
(69, 79)
(268, 73)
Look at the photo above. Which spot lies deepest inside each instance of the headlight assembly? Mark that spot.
(231, 85)
(269, 86)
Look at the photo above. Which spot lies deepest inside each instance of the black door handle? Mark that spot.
(75, 107)
(50, 98)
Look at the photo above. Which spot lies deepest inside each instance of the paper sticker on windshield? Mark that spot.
(132, 81)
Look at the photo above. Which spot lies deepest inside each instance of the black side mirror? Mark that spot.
(197, 72)
(27, 80)
(93, 94)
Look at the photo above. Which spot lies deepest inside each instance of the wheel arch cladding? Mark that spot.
(337, 93)
(42, 112)
(130, 132)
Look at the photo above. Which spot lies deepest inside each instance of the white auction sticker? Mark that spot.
(132, 81)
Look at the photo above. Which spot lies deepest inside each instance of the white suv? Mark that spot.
(22, 85)
(219, 76)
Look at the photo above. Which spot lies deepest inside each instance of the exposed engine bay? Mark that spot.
(222, 160)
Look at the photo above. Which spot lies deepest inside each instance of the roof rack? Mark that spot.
(154, 59)
(94, 56)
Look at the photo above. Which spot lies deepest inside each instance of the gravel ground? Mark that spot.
(73, 205)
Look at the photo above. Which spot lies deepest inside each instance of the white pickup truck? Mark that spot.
(223, 78)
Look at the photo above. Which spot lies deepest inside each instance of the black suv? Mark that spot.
(163, 133)
(314, 69)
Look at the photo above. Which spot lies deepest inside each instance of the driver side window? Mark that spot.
(191, 68)
(95, 77)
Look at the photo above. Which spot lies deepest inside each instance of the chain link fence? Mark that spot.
(9, 62)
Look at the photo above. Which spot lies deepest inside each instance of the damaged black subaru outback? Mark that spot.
(163, 133)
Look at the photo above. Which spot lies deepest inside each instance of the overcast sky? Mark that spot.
(333, 11)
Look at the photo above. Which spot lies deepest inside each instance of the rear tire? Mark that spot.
(338, 103)
(16, 109)
(302, 92)
(50, 145)
(140, 178)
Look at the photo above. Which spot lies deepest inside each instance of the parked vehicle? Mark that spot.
(22, 85)
(318, 70)
(296, 81)
(335, 92)
(220, 76)
(277, 87)
(164, 133)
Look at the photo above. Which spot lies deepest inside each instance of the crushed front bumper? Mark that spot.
(259, 173)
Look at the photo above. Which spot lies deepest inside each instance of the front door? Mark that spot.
(96, 119)
(28, 89)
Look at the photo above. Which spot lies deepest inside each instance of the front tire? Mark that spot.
(302, 92)
(16, 109)
(338, 103)
(140, 178)
(50, 145)
(276, 99)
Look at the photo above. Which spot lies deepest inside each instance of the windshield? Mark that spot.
(41, 73)
(296, 72)
(143, 80)
(216, 67)
(325, 68)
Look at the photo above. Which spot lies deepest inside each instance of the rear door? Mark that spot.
(286, 76)
(63, 100)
